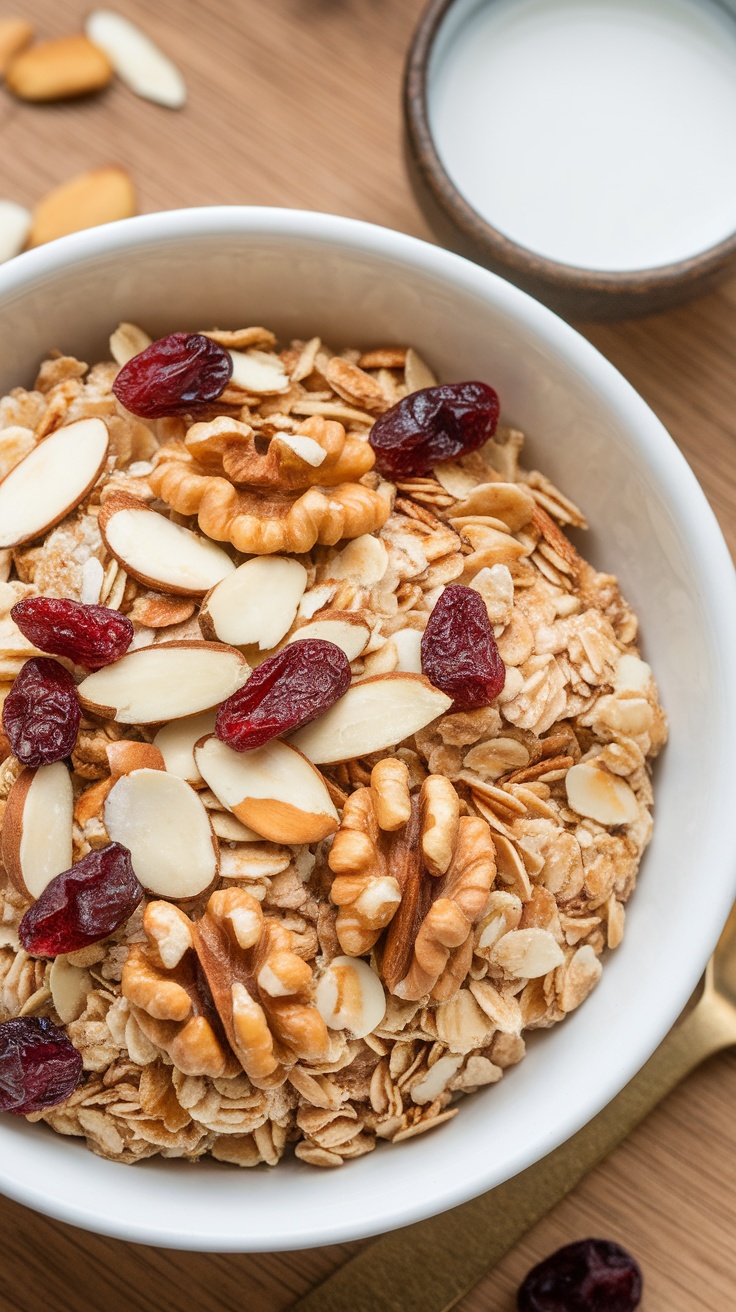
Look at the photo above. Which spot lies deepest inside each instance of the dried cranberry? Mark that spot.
(90, 635)
(39, 1067)
(173, 375)
(292, 687)
(436, 423)
(459, 652)
(82, 905)
(41, 712)
(594, 1275)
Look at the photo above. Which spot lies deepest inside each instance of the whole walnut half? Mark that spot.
(225, 992)
(413, 867)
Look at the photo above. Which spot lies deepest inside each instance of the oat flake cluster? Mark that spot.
(343, 931)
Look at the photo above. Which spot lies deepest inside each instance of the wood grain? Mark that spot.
(297, 103)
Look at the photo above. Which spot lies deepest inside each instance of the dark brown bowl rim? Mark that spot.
(487, 238)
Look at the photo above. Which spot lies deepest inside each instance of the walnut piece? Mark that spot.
(225, 992)
(301, 491)
(414, 865)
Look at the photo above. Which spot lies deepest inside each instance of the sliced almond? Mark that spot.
(137, 61)
(48, 483)
(374, 714)
(15, 35)
(347, 629)
(127, 341)
(69, 988)
(60, 69)
(601, 796)
(350, 997)
(100, 196)
(231, 830)
(274, 790)
(176, 744)
(417, 374)
(162, 822)
(408, 643)
(165, 682)
(126, 755)
(259, 372)
(15, 225)
(37, 828)
(255, 604)
(159, 553)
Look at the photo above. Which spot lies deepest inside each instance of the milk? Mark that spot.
(599, 133)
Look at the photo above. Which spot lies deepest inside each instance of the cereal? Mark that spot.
(374, 933)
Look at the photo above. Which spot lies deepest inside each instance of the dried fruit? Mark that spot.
(83, 904)
(39, 1066)
(459, 652)
(173, 376)
(41, 713)
(594, 1275)
(436, 423)
(90, 635)
(290, 689)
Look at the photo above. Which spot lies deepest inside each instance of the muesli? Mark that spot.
(326, 759)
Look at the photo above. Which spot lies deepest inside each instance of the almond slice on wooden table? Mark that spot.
(166, 682)
(159, 553)
(137, 60)
(15, 225)
(15, 35)
(100, 196)
(37, 828)
(48, 483)
(274, 790)
(346, 628)
(374, 714)
(167, 831)
(176, 743)
(59, 70)
(256, 604)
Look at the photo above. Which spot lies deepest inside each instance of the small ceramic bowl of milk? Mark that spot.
(584, 149)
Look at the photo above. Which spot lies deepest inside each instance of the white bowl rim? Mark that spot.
(718, 582)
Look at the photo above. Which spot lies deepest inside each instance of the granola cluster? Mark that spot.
(466, 881)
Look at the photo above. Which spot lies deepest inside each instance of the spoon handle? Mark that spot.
(429, 1266)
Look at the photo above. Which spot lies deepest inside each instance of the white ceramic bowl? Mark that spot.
(356, 284)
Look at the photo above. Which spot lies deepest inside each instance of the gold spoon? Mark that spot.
(428, 1267)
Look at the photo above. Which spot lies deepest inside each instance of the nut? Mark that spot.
(260, 988)
(51, 480)
(15, 35)
(159, 553)
(37, 828)
(136, 60)
(350, 997)
(100, 196)
(58, 70)
(272, 789)
(165, 682)
(256, 604)
(384, 879)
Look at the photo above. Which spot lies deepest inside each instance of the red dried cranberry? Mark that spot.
(173, 375)
(436, 423)
(292, 687)
(41, 712)
(82, 905)
(90, 635)
(459, 652)
(39, 1067)
(594, 1275)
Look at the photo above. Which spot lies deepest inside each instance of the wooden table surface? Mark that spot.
(297, 103)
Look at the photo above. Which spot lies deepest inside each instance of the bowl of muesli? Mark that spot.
(347, 598)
